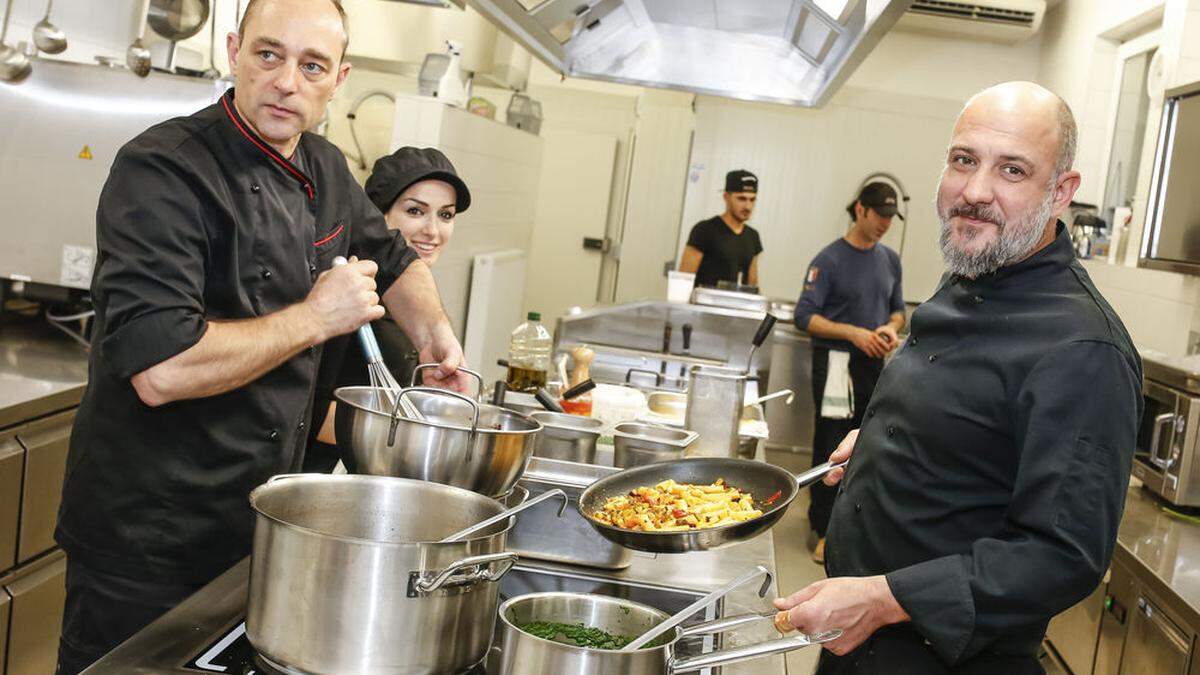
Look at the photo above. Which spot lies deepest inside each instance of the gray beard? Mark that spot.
(1016, 241)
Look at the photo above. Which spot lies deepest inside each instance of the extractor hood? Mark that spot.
(786, 51)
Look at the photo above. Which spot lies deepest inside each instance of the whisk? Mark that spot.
(382, 380)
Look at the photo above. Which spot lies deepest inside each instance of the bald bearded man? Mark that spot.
(987, 481)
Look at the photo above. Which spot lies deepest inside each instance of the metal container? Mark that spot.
(570, 438)
(714, 409)
(730, 299)
(526, 654)
(477, 446)
(347, 575)
(637, 443)
(568, 539)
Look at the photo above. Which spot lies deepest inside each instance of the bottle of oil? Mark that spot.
(529, 355)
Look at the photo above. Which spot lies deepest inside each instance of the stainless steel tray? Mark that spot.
(730, 299)
(571, 540)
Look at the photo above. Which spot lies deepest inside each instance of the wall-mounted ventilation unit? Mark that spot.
(1006, 21)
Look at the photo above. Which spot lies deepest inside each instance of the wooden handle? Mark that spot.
(583, 362)
(782, 624)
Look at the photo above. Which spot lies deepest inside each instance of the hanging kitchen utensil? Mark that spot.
(48, 37)
(760, 336)
(137, 57)
(14, 66)
(772, 488)
(701, 604)
(507, 513)
(177, 20)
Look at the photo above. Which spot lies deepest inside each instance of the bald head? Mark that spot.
(1008, 175)
(1041, 112)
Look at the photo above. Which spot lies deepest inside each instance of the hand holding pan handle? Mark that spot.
(817, 473)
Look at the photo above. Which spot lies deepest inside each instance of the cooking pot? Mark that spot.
(569, 438)
(347, 575)
(526, 654)
(638, 444)
(456, 441)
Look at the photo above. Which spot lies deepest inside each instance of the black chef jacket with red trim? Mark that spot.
(201, 220)
(989, 476)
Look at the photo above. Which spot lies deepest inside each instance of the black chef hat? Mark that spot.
(880, 197)
(741, 180)
(394, 173)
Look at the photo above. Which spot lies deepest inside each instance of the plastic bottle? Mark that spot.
(529, 355)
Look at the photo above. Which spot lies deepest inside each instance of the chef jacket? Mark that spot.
(990, 471)
(201, 220)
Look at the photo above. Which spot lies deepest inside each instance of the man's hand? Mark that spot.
(858, 606)
(869, 342)
(444, 349)
(842, 454)
(344, 298)
(889, 334)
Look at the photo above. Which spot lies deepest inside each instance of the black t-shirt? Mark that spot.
(726, 253)
(200, 220)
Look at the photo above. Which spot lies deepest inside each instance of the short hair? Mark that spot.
(337, 4)
(1068, 137)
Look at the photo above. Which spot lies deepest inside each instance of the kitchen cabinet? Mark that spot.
(5, 609)
(38, 592)
(1154, 645)
(12, 466)
(45, 442)
(1074, 632)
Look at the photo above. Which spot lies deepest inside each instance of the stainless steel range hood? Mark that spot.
(787, 51)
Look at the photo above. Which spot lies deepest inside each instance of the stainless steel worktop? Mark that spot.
(1162, 550)
(41, 370)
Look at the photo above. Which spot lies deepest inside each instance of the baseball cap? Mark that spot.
(394, 173)
(882, 198)
(741, 180)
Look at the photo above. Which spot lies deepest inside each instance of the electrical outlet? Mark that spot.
(1193, 342)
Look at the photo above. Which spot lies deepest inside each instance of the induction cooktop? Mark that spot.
(230, 651)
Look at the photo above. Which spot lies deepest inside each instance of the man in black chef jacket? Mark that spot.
(214, 292)
(988, 477)
(725, 247)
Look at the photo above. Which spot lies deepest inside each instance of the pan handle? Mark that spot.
(739, 654)
(428, 366)
(817, 473)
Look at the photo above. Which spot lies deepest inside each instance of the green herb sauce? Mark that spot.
(579, 635)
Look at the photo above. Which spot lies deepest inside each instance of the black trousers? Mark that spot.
(104, 610)
(827, 433)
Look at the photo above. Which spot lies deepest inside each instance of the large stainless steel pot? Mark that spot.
(347, 575)
(480, 447)
(569, 438)
(525, 654)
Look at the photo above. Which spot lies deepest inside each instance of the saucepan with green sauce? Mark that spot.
(581, 633)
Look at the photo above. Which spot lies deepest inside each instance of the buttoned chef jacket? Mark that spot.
(989, 475)
(201, 220)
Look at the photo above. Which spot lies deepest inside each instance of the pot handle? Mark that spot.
(420, 584)
(437, 392)
(739, 654)
(427, 366)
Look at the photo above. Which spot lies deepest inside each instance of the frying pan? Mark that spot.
(760, 479)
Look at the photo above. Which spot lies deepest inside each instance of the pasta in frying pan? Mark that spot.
(673, 507)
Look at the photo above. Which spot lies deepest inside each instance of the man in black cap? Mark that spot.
(853, 307)
(420, 194)
(724, 247)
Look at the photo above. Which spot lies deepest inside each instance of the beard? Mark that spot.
(1016, 239)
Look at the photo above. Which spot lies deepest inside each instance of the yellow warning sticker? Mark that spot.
(85, 153)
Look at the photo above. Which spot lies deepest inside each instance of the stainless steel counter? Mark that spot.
(41, 370)
(1162, 551)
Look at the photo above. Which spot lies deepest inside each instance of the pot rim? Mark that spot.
(317, 477)
(537, 426)
(591, 596)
